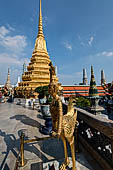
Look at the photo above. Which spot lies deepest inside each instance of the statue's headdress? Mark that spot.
(54, 84)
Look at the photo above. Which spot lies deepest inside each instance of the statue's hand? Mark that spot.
(54, 134)
(77, 123)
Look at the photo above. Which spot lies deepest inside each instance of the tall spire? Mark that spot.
(8, 72)
(93, 88)
(40, 26)
(24, 67)
(103, 81)
(40, 43)
(84, 77)
(37, 73)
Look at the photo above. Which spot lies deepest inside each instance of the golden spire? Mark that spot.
(40, 43)
(40, 26)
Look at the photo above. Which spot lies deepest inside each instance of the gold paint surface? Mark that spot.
(62, 125)
(37, 73)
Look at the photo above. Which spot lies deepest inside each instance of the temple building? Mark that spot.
(8, 82)
(81, 90)
(37, 73)
(84, 89)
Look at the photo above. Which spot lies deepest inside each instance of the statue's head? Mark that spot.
(55, 89)
(72, 101)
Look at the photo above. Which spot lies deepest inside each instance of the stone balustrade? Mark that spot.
(96, 135)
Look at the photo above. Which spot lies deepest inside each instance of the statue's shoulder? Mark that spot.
(60, 102)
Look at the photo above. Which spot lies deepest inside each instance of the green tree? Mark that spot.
(43, 91)
(83, 102)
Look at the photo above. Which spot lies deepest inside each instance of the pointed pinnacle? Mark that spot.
(40, 26)
(92, 76)
(8, 70)
(92, 72)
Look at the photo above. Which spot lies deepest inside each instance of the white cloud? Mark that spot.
(9, 59)
(3, 31)
(105, 54)
(10, 28)
(15, 43)
(91, 40)
(67, 45)
(85, 42)
(81, 41)
(12, 49)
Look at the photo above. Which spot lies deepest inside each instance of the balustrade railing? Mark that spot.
(96, 134)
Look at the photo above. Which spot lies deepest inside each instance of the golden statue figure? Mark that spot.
(52, 72)
(63, 125)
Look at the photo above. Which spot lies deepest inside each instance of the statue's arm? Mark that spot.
(60, 117)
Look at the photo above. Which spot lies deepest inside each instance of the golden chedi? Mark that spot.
(37, 73)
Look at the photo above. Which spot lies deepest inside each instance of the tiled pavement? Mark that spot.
(39, 155)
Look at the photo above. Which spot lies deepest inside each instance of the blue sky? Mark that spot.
(79, 33)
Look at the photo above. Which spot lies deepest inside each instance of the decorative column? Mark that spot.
(93, 95)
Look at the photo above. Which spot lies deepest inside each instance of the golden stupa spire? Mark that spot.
(40, 43)
(40, 26)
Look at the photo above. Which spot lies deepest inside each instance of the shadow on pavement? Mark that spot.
(40, 116)
(36, 166)
(11, 143)
(6, 167)
(26, 120)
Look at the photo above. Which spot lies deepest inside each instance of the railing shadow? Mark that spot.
(13, 145)
(11, 142)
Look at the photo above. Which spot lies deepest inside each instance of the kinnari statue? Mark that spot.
(63, 125)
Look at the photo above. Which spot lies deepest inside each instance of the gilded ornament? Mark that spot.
(62, 125)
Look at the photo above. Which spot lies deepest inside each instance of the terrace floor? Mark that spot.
(39, 155)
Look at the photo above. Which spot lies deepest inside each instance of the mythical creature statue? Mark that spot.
(52, 72)
(63, 125)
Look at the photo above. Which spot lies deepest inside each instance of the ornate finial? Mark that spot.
(40, 43)
(40, 27)
(93, 89)
(92, 72)
(92, 75)
(8, 71)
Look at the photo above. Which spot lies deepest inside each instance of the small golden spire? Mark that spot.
(40, 26)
